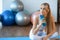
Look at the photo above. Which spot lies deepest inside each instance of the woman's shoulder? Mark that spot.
(36, 14)
(52, 17)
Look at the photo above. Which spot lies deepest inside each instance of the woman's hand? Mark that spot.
(45, 38)
(39, 25)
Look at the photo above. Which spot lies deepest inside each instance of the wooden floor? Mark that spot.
(14, 31)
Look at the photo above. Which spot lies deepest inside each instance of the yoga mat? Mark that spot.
(20, 38)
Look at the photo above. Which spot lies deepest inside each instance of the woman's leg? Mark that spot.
(36, 37)
(54, 35)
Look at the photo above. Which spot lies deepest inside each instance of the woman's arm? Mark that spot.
(34, 17)
(35, 28)
(54, 28)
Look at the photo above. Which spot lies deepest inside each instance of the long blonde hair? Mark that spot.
(48, 19)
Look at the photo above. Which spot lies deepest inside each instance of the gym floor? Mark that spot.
(16, 31)
(13, 31)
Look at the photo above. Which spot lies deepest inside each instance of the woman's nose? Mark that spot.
(41, 11)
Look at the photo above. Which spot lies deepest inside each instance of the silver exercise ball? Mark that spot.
(22, 19)
(17, 6)
(0, 25)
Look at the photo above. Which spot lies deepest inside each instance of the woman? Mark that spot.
(39, 31)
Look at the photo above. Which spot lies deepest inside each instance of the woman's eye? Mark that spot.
(40, 8)
(43, 8)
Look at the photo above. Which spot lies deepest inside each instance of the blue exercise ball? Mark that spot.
(0, 21)
(22, 19)
(0, 17)
(7, 18)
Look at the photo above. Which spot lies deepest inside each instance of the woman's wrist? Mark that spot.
(38, 26)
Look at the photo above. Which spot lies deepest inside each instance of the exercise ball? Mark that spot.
(0, 21)
(7, 18)
(0, 17)
(0, 25)
(27, 12)
(17, 6)
(22, 19)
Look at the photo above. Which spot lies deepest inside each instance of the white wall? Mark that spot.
(0, 6)
(34, 5)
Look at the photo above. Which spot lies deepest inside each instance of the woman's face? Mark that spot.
(44, 10)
